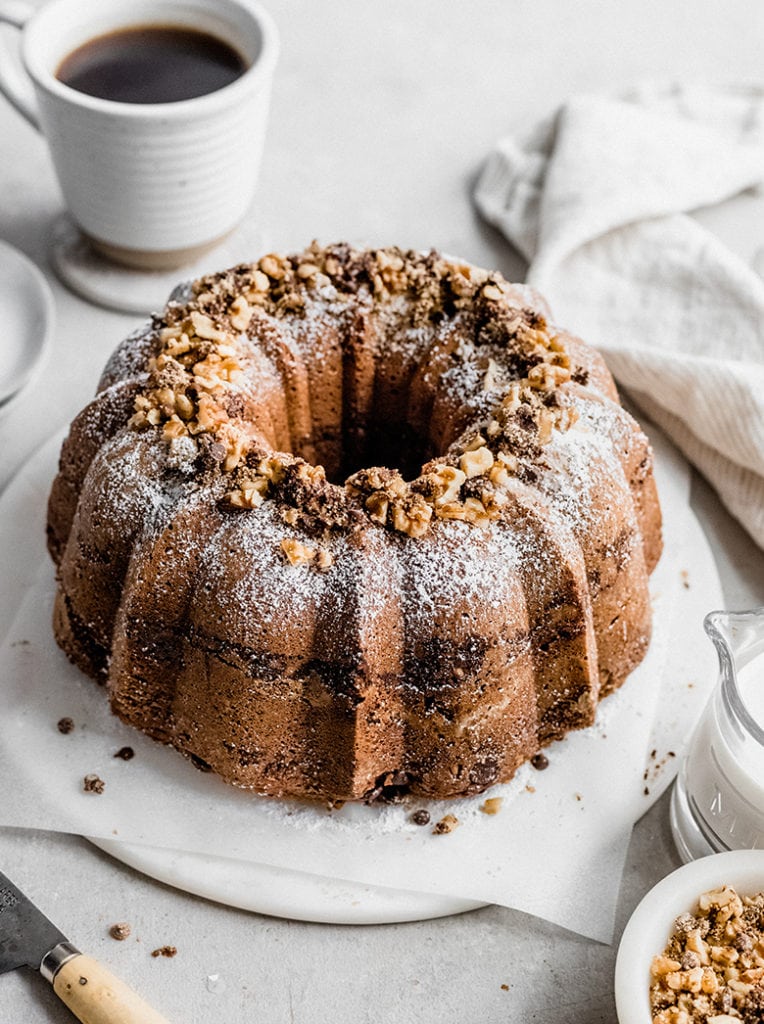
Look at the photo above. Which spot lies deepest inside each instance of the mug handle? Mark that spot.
(14, 81)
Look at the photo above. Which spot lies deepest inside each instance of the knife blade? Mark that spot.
(29, 939)
(26, 935)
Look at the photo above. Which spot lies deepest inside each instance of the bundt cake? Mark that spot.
(255, 589)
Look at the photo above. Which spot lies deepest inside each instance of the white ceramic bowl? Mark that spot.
(652, 923)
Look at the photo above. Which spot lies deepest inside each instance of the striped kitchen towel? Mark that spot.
(597, 199)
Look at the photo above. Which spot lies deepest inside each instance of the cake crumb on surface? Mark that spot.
(654, 770)
(446, 824)
(93, 784)
(421, 817)
(120, 931)
(168, 951)
(125, 753)
(492, 805)
(65, 726)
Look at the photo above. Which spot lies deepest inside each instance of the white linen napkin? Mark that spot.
(596, 198)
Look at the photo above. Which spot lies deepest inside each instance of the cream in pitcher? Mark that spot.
(718, 801)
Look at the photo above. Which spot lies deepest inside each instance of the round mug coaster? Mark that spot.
(129, 290)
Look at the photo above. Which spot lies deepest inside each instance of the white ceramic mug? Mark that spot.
(151, 185)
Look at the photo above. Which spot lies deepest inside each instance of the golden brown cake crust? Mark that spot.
(351, 523)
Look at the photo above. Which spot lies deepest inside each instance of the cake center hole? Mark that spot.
(393, 410)
(383, 442)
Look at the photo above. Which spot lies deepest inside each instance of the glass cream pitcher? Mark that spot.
(718, 798)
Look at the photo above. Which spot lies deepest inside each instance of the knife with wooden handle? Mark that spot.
(29, 939)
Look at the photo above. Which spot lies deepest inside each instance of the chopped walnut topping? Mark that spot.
(475, 512)
(411, 515)
(189, 379)
(274, 266)
(378, 505)
(452, 510)
(493, 376)
(545, 377)
(492, 292)
(499, 475)
(444, 484)
(251, 493)
(272, 469)
(296, 552)
(260, 283)
(545, 424)
(240, 313)
(193, 390)
(205, 328)
(476, 462)
(712, 971)
(174, 428)
(474, 443)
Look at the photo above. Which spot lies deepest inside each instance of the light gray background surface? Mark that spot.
(381, 116)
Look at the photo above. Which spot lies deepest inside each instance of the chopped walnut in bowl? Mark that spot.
(713, 966)
(693, 950)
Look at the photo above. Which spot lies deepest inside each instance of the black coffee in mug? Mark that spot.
(151, 64)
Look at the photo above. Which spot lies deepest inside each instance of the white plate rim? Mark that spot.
(283, 892)
(40, 285)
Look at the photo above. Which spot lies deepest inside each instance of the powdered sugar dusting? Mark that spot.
(261, 598)
(131, 356)
(128, 471)
(460, 572)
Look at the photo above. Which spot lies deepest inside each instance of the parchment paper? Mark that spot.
(555, 850)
